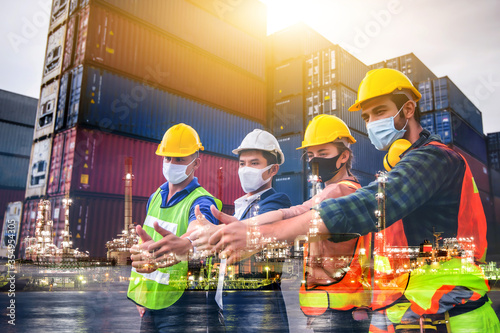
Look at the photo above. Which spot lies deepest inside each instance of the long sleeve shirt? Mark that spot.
(423, 189)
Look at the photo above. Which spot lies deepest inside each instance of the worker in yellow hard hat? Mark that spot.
(159, 266)
(430, 190)
(328, 295)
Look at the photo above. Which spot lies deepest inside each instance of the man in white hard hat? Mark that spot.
(260, 156)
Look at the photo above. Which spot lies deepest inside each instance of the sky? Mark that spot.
(455, 38)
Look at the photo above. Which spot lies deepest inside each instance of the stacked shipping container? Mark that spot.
(312, 76)
(117, 75)
(17, 116)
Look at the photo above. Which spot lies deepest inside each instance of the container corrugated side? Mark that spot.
(120, 105)
(426, 103)
(468, 139)
(13, 171)
(17, 108)
(414, 68)
(293, 185)
(62, 102)
(70, 41)
(363, 178)
(378, 65)
(288, 116)
(294, 161)
(92, 161)
(448, 95)
(119, 43)
(493, 148)
(495, 183)
(489, 209)
(288, 79)
(366, 158)
(15, 139)
(55, 53)
(46, 112)
(204, 30)
(59, 13)
(247, 15)
(479, 170)
(38, 168)
(8, 195)
(496, 205)
(428, 122)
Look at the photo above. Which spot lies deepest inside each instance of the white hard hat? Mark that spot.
(261, 140)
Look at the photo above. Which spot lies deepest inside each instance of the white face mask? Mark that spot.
(175, 173)
(251, 178)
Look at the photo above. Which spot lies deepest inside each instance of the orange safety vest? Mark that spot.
(340, 280)
(392, 258)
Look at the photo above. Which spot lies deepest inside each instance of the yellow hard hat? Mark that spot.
(179, 141)
(393, 155)
(383, 81)
(325, 128)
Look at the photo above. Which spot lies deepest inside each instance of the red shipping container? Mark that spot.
(9, 195)
(479, 170)
(86, 160)
(107, 39)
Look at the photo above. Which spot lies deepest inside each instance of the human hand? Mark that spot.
(201, 231)
(231, 241)
(141, 258)
(141, 310)
(170, 249)
(222, 217)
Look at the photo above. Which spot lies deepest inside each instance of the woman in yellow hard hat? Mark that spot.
(334, 290)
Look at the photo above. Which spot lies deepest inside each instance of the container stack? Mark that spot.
(493, 143)
(312, 76)
(17, 116)
(117, 75)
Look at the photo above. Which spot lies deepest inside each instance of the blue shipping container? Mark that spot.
(288, 116)
(366, 158)
(62, 101)
(364, 178)
(118, 104)
(293, 185)
(447, 95)
(294, 160)
(426, 102)
(454, 130)
(428, 122)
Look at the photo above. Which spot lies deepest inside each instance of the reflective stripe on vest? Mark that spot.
(346, 292)
(163, 287)
(432, 286)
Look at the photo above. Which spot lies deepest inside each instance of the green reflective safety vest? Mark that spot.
(163, 287)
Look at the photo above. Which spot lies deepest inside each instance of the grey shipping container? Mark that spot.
(495, 184)
(15, 139)
(412, 67)
(295, 41)
(202, 29)
(333, 65)
(448, 95)
(288, 115)
(17, 108)
(288, 79)
(13, 171)
(493, 147)
(294, 161)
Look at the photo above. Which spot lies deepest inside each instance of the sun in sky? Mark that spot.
(283, 13)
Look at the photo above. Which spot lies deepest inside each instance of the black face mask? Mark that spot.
(327, 167)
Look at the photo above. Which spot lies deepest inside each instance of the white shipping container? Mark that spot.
(54, 56)
(10, 231)
(36, 184)
(60, 12)
(46, 112)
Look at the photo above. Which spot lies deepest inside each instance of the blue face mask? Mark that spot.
(382, 133)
